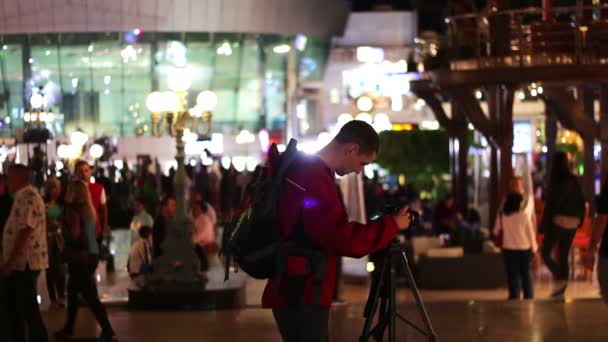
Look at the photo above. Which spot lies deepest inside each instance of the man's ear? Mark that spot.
(353, 148)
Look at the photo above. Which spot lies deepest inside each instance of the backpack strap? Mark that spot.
(299, 246)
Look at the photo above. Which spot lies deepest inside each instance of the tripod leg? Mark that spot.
(372, 303)
(392, 305)
(421, 310)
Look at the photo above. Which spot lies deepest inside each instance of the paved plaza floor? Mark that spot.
(456, 315)
(580, 320)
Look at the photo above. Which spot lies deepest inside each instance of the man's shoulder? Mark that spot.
(308, 172)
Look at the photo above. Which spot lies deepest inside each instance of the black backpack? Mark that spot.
(253, 239)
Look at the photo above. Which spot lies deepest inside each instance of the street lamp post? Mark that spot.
(178, 265)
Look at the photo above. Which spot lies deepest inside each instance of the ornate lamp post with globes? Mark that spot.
(178, 265)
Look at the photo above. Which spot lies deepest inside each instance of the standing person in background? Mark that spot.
(24, 251)
(140, 258)
(82, 256)
(140, 219)
(98, 196)
(203, 232)
(600, 233)
(168, 208)
(519, 245)
(55, 275)
(564, 213)
(6, 202)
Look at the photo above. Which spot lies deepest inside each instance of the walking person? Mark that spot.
(564, 213)
(518, 245)
(6, 203)
(24, 252)
(82, 256)
(98, 199)
(599, 236)
(55, 274)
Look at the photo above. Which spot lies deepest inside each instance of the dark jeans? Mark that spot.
(55, 274)
(303, 323)
(202, 258)
(81, 281)
(563, 238)
(3, 310)
(519, 275)
(23, 305)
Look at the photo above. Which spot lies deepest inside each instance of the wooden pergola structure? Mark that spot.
(502, 51)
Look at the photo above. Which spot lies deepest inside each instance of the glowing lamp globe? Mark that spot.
(170, 101)
(36, 101)
(154, 102)
(63, 151)
(365, 103)
(365, 117)
(206, 100)
(96, 151)
(180, 79)
(79, 138)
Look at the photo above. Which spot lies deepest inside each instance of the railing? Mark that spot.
(528, 37)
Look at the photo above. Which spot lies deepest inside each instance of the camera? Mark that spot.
(393, 208)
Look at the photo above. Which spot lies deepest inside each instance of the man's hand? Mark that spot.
(402, 217)
(589, 260)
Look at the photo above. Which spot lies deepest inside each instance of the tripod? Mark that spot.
(383, 292)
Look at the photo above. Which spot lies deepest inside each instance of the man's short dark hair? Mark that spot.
(145, 231)
(360, 133)
(79, 163)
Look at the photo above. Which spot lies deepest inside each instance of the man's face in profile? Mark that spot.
(353, 160)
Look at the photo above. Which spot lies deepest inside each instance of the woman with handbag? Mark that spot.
(518, 245)
(81, 252)
(563, 215)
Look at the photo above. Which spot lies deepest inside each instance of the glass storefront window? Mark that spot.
(98, 82)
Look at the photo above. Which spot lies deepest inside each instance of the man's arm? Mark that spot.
(326, 223)
(22, 236)
(599, 226)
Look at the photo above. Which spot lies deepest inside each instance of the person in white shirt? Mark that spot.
(203, 232)
(140, 258)
(140, 219)
(24, 248)
(518, 245)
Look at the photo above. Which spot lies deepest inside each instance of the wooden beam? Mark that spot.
(471, 108)
(432, 100)
(570, 110)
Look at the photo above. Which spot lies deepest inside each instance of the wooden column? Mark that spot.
(505, 130)
(461, 143)
(588, 146)
(550, 139)
(547, 14)
(493, 109)
(604, 129)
